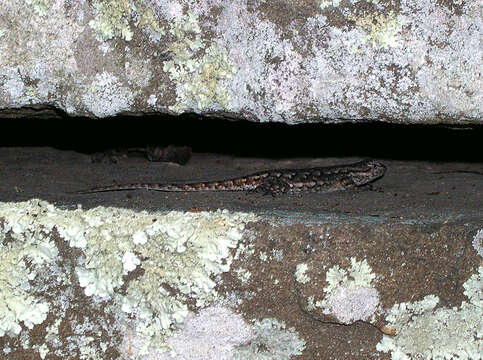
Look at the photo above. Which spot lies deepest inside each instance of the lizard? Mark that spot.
(274, 182)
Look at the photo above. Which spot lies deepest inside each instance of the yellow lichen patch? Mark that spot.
(146, 17)
(199, 80)
(113, 18)
(380, 30)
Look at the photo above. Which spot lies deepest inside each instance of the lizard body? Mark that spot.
(318, 179)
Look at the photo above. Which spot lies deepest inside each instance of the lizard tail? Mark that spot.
(189, 187)
(124, 187)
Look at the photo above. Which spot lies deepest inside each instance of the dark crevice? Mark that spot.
(249, 139)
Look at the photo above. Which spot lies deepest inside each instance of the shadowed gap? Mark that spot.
(243, 138)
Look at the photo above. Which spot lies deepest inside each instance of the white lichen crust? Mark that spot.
(350, 294)
(478, 242)
(213, 333)
(271, 342)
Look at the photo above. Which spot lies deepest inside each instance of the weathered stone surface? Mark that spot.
(114, 283)
(293, 61)
(316, 276)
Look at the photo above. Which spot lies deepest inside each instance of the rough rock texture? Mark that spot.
(114, 283)
(293, 61)
(394, 273)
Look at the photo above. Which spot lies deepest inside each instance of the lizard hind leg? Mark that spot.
(274, 187)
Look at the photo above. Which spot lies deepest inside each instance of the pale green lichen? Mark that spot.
(41, 7)
(179, 255)
(199, 78)
(244, 250)
(300, 273)
(31, 92)
(380, 30)
(271, 342)
(424, 332)
(243, 275)
(350, 295)
(43, 351)
(190, 250)
(21, 261)
(359, 274)
(474, 292)
(51, 337)
(310, 303)
(146, 18)
(263, 256)
(327, 3)
(113, 18)
(130, 261)
(87, 351)
(277, 254)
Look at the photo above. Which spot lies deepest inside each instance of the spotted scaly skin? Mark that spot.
(277, 181)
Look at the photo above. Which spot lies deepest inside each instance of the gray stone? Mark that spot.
(293, 61)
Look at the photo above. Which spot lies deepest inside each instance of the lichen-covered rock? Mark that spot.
(181, 254)
(110, 283)
(459, 329)
(404, 61)
(340, 295)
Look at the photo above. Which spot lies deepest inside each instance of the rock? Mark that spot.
(223, 285)
(291, 61)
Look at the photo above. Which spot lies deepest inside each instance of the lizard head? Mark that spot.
(367, 171)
